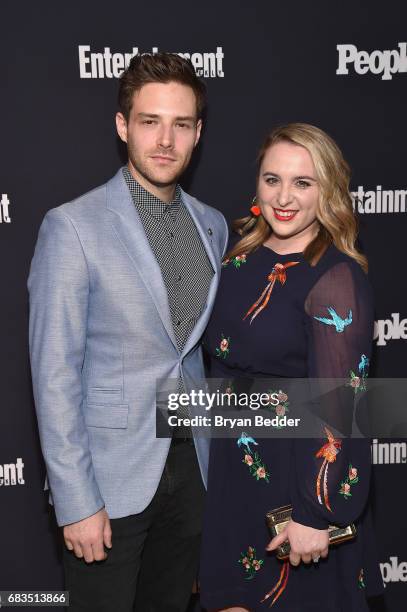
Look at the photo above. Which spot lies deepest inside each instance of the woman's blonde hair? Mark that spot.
(337, 221)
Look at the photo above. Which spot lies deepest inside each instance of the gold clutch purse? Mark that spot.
(277, 521)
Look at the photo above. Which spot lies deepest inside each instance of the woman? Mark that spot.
(294, 301)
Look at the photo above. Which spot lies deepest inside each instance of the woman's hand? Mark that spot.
(306, 543)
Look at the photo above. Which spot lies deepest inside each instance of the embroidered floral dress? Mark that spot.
(277, 316)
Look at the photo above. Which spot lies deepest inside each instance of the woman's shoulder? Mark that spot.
(334, 260)
(338, 273)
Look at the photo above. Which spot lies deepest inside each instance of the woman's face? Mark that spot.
(288, 192)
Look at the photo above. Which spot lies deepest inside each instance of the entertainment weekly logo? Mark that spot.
(379, 200)
(11, 474)
(390, 329)
(105, 64)
(4, 210)
(388, 453)
(393, 571)
(385, 63)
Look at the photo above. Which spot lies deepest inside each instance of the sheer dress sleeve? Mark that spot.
(329, 481)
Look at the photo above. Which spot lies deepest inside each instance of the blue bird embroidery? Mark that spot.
(363, 365)
(336, 320)
(246, 441)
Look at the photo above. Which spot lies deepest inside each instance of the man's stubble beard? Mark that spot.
(143, 170)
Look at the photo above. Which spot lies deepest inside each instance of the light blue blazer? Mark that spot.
(100, 336)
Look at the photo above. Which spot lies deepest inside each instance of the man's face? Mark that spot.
(161, 133)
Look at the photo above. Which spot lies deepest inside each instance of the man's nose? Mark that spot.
(166, 137)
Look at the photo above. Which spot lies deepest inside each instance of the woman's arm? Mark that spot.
(330, 479)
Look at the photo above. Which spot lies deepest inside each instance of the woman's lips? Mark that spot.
(284, 215)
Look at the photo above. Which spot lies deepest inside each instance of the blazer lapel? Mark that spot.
(129, 230)
(207, 234)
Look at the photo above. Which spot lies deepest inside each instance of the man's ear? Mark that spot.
(198, 131)
(121, 126)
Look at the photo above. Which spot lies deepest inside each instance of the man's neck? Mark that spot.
(165, 193)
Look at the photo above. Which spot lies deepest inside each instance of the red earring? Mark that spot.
(255, 210)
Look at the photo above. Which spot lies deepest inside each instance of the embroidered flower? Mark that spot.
(248, 459)
(252, 458)
(280, 410)
(237, 261)
(282, 397)
(361, 581)
(258, 468)
(355, 380)
(260, 473)
(223, 349)
(250, 563)
(351, 479)
(282, 407)
(345, 489)
(358, 381)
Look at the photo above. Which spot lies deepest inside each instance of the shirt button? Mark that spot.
(178, 322)
(179, 277)
(172, 234)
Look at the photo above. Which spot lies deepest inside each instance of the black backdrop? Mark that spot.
(268, 62)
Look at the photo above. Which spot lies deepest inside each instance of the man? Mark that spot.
(121, 285)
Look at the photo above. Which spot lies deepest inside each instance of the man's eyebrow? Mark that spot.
(296, 178)
(150, 115)
(186, 118)
(155, 116)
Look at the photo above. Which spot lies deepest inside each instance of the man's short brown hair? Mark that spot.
(158, 68)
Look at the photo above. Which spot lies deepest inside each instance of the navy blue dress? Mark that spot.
(316, 321)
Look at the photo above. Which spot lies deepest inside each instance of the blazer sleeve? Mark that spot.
(330, 480)
(58, 287)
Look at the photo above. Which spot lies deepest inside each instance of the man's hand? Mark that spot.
(87, 537)
(306, 543)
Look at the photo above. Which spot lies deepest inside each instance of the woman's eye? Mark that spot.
(148, 121)
(271, 180)
(303, 184)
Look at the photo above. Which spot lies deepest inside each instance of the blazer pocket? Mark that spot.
(102, 415)
(104, 395)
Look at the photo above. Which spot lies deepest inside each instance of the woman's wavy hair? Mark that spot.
(337, 221)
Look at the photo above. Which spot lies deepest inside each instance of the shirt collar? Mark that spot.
(149, 202)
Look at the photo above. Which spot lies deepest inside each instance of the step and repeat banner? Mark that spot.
(340, 66)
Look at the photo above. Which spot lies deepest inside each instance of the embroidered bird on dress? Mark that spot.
(328, 451)
(363, 364)
(278, 273)
(280, 584)
(336, 320)
(246, 441)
